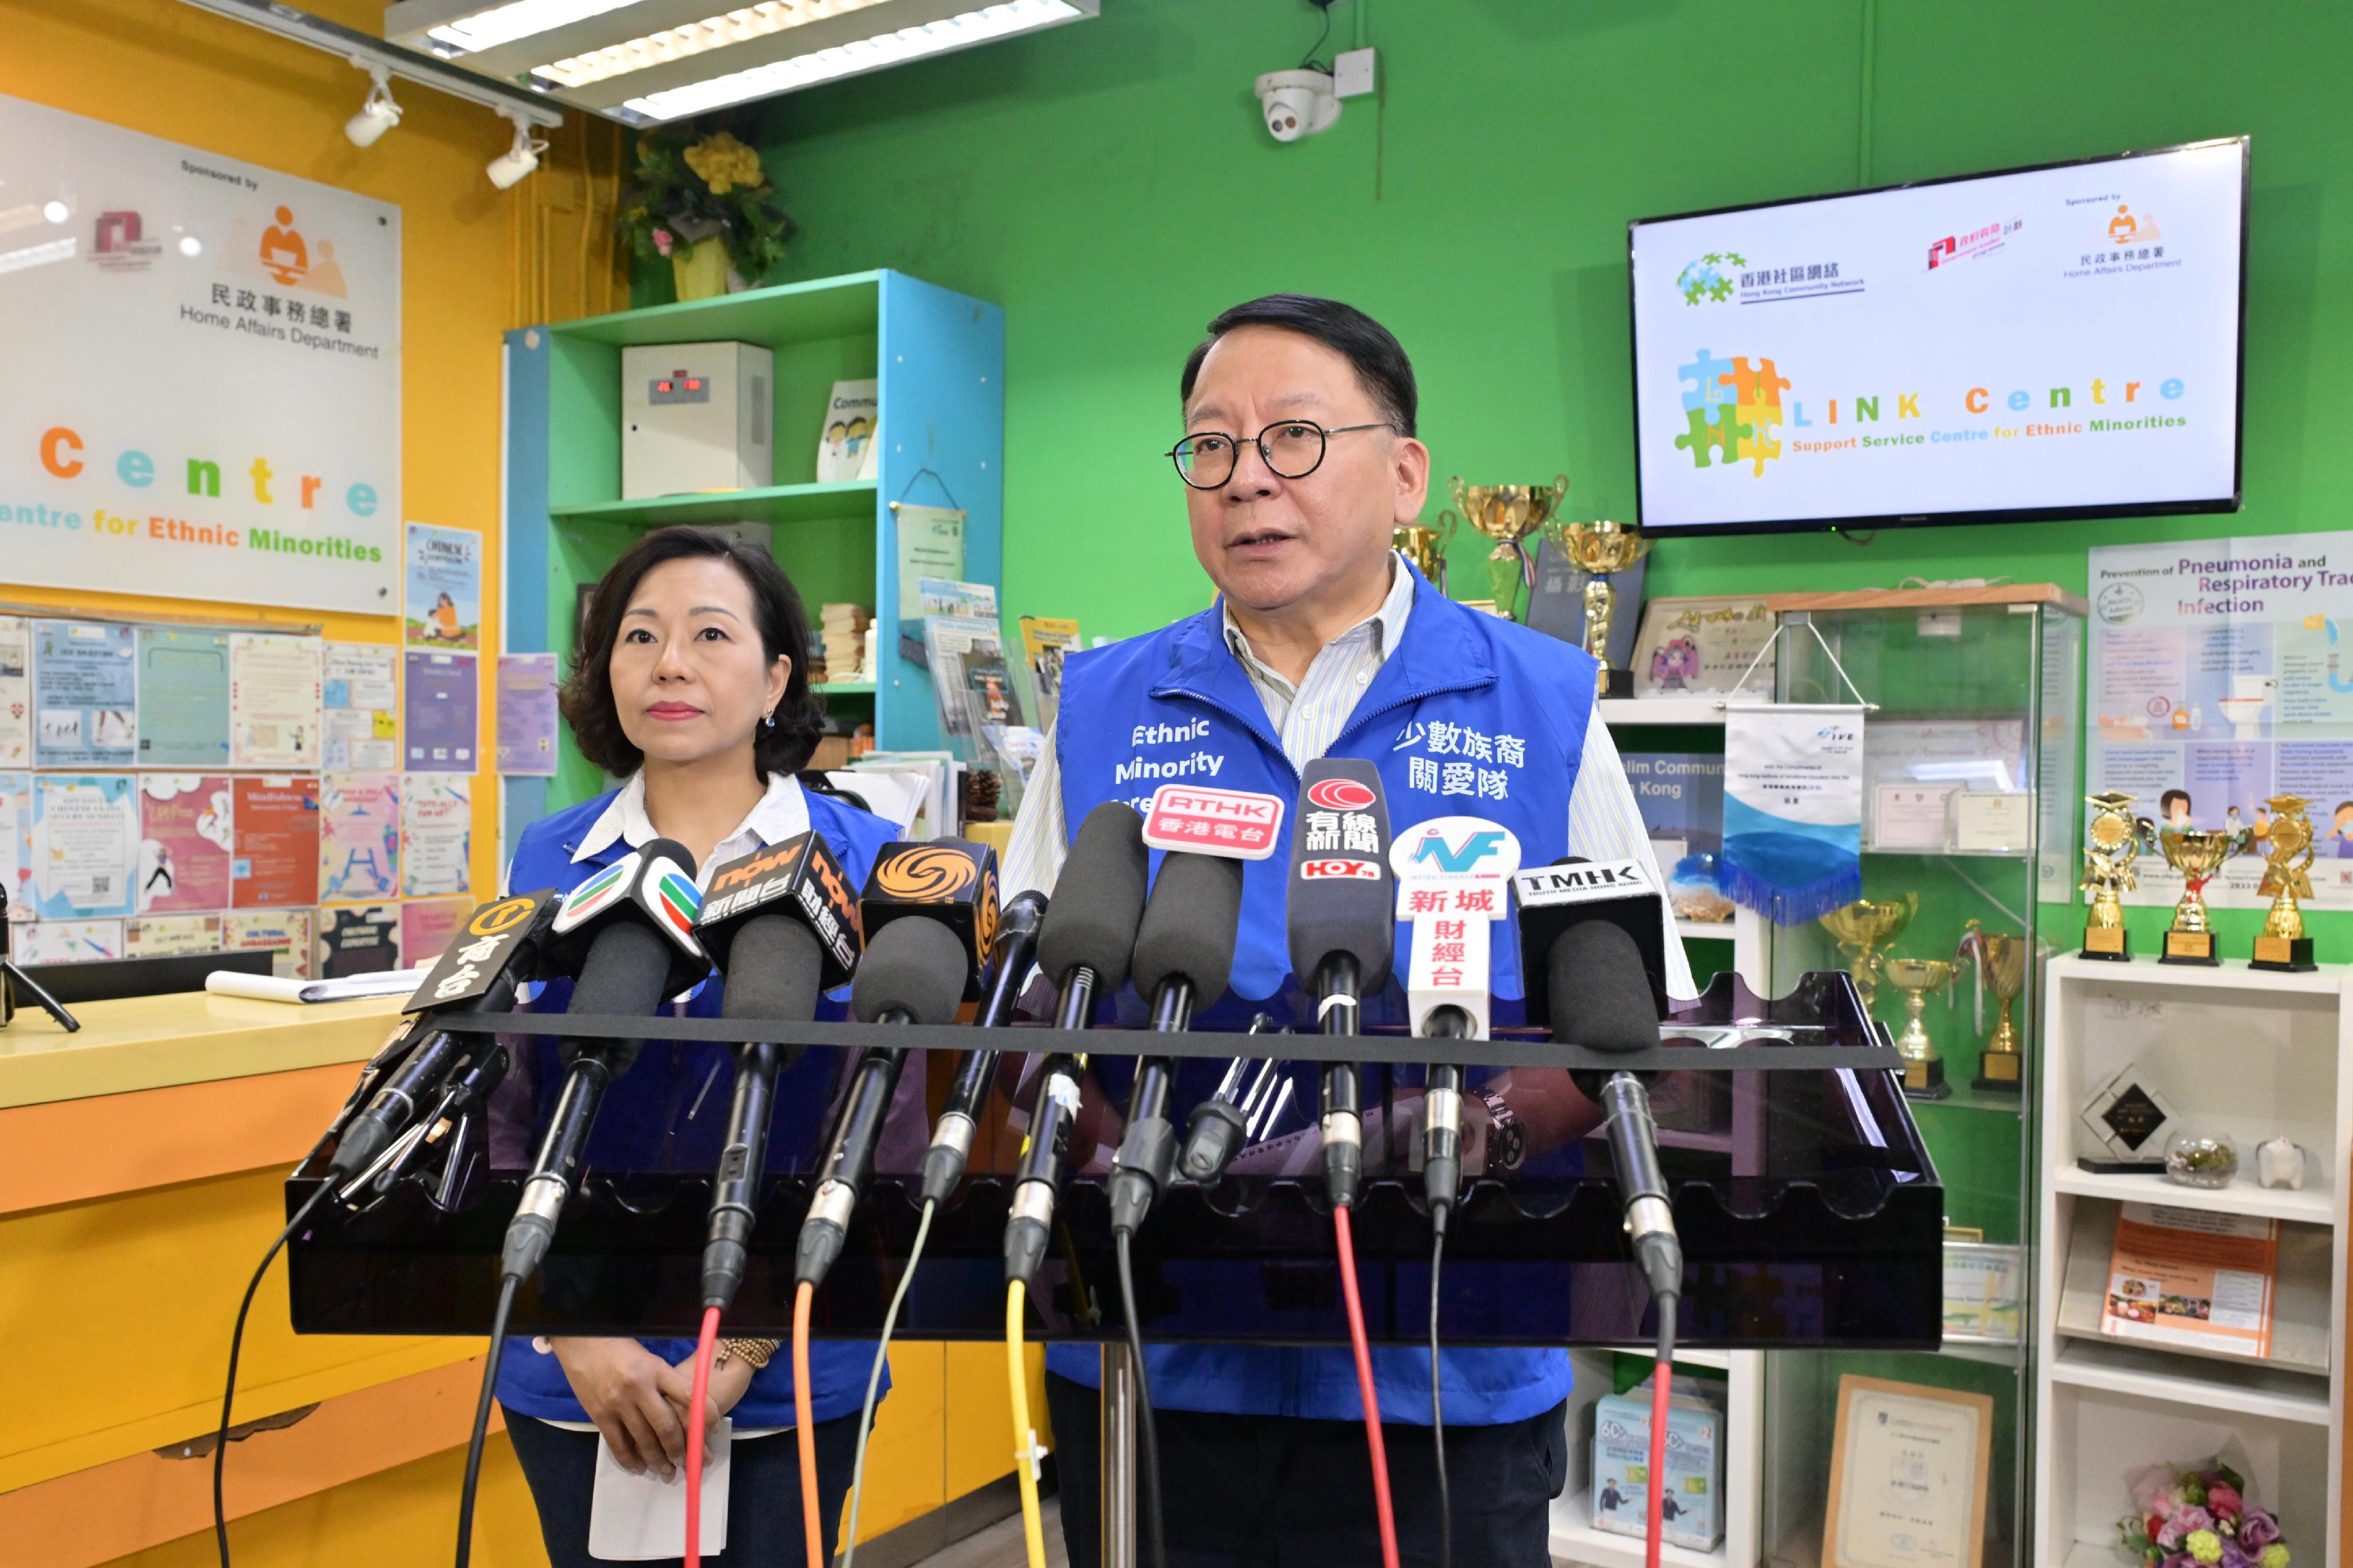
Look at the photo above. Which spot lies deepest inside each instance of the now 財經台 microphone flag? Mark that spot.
(1793, 808)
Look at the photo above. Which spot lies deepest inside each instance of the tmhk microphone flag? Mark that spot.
(1793, 808)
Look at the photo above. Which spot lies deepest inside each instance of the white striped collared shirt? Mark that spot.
(1604, 824)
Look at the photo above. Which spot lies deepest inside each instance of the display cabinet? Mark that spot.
(1971, 807)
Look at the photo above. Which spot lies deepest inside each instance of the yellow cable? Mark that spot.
(1026, 1452)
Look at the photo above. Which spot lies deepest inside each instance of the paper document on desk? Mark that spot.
(637, 1518)
(350, 988)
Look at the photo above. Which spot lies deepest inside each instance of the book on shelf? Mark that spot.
(2192, 1278)
(847, 445)
(1044, 641)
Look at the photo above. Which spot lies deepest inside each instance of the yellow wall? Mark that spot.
(475, 261)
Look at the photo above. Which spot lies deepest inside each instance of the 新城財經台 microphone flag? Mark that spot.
(1793, 808)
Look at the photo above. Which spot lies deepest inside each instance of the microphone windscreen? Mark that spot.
(1190, 926)
(1600, 996)
(626, 963)
(1098, 899)
(774, 970)
(914, 966)
(1342, 897)
(668, 849)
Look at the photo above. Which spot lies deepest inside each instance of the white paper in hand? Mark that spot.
(637, 1518)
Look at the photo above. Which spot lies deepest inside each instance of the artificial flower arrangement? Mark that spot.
(2198, 1517)
(692, 188)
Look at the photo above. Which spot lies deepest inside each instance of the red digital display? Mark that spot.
(694, 386)
(661, 386)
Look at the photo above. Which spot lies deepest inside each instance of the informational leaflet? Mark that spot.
(85, 695)
(2218, 678)
(277, 839)
(163, 936)
(360, 707)
(527, 714)
(284, 932)
(427, 926)
(183, 698)
(1044, 641)
(184, 842)
(359, 940)
(931, 544)
(16, 844)
(85, 845)
(444, 588)
(436, 835)
(68, 941)
(359, 838)
(2191, 1277)
(15, 692)
(274, 701)
(441, 725)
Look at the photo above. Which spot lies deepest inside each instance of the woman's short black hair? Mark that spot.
(587, 694)
(1382, 369)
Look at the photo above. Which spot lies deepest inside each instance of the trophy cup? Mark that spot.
(2283, 945)
(2000, 962)
(1426, 547)
(1862, 928)
(1924, 1069)
(2197, 853)
(1507, 514)
(1599, 548)
(2112, 843)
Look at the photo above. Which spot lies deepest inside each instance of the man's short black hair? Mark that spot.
(1382, 369)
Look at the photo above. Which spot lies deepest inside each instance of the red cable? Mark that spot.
(811, 1526)
(1364, 1386)
(1661, 1380)
(702, 1349)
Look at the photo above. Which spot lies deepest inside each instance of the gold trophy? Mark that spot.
(2112, 843)
(1862, 928)
(2197, 853)
(2283, 945)
(1426, 547)
(1924, 1069)
(1598, 548)
(2000, 962)
(1507, 514)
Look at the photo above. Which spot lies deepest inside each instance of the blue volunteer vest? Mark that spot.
(633, 1128)
(1470, 715)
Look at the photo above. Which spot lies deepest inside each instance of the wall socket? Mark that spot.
(1352, 73)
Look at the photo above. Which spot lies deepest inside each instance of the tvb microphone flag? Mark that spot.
(1793, 808)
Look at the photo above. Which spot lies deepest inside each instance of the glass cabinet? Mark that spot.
(1969, 824)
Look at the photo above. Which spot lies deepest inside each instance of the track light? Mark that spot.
(378, 114)
(512, 166)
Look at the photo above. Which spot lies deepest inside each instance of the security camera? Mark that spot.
(1297, 103)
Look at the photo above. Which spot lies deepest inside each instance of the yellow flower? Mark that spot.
(2275, 1556)
(2204, 1545)
(723, 162)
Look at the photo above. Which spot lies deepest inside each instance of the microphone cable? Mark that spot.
(1365, 1392)
(1025, 1453)
(704, 1345)
(874, 1381)
(805, 1424)
(508, 1285)
(1156, 1534)
(1437, 1404)
(236, 1344)
(1662, 1386)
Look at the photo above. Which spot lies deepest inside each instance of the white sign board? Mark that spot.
(204, 397)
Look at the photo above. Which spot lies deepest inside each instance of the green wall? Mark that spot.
(1111, 185)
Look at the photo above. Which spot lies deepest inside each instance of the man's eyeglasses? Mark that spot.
(1292, 449)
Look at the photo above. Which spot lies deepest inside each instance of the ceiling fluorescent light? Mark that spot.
(691, 38)
(491, 25)
(855, 58)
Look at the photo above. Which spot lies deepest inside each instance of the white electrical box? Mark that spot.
(1352, 73)
(697, 417)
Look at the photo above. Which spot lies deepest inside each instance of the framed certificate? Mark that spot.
(1908, 1475)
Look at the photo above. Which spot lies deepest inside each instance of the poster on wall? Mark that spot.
(254, 455)
(276, 838)
(184, 842)
(68, 941)
(358, 941)
(359, 838)
(15, 692)
(437, 819)
(527, 714)
(439, 720)
(85, 845)
(274, 701)
(444, 588)
(359, 707)
(183, 698)
(85, 695)
(165, 936)
(285, 933)
(2221, 677)
(427, 926)
(16, 844)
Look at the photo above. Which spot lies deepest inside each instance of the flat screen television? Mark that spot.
(2062, 341)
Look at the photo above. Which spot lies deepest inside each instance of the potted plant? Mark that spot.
(700, 200)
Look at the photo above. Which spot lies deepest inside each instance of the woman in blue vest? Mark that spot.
(690, 683)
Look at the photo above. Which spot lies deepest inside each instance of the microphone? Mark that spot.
(1084, 945)
(1593, 931)
(13, 979)
(781, 924)
(1183, 954)
(1341, 926)
(499, 947)
(1215, 1131)
(1009, 968)
(930, 913)
(628, 934)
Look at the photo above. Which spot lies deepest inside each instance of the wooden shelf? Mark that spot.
(789, 312)
(1931, 598)
(1700, 708)
(2312, 1205)
(1705, 930)
(772, 503)
(843, 689)
(2328, 980)
(1576, 1541)
(2150, 1373)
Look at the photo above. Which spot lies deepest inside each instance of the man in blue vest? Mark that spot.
(1298, 458)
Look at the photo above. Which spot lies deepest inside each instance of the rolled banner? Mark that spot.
(1793, 808)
